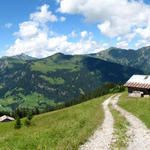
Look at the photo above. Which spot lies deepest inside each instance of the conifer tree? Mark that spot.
(29, 115)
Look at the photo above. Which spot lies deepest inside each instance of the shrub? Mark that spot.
(17, 123)
(29, 115)
(27, 122)
(28, 119)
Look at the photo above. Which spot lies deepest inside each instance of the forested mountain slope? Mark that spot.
(55, 79)
(139, 59)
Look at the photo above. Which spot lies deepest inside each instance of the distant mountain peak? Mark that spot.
(24, 56)
(58, 54)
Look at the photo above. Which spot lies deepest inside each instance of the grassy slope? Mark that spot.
(58, 61)
(65, 129)
(30, 101)
(140, 107)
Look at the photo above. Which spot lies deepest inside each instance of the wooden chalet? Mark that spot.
(138, 86)
(6, 119)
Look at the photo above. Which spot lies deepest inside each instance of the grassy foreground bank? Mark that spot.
(64, 129)
(140, 107)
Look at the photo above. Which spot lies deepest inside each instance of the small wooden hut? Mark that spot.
(138, 86)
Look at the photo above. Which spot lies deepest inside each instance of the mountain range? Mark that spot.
(30, 82)
(139, 59)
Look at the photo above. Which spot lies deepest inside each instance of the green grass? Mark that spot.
(29, 101)
(35, 99)
(65, 129)
(55, 81)
(53, 64)
(140, 107)
(2, 85)
(120, 126)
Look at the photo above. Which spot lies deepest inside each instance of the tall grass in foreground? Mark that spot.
(64, 129)
(140, 107)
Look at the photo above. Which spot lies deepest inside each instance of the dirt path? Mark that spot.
(140, 135)
(101, 139)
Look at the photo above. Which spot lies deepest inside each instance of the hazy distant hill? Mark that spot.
(24, 57)
(19, 57)
(139, 59)
(54, 79)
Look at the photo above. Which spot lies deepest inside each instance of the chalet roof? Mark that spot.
(6, 118)
(139, 81)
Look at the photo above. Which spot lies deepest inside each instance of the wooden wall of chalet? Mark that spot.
(145, 91)
(6, 120)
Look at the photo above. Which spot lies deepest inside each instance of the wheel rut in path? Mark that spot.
(101, 139)
(138, 132)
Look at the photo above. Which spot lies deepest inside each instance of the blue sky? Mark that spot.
(41, 28)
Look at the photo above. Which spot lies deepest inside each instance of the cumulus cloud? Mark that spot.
(42, 46)
(44, 15)
(130, 36)
(144, 32)
(28, 30)
(122, 44)
(84, 34)
(73, 34)
(36, 39)
(122, 19)
(142, 43)
(119, 38)
(33, 35)
(114, 17)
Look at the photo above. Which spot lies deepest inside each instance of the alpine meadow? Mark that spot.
(75, 75)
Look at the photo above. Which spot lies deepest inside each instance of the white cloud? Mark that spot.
(28, 29)
(44, 15)
(73, 34)
(83, 47)
(32, 46)
(58, 1)
(84, 34)
(119, 38)
(8, 25)
(42, 46)
(130, 36)
(62, 19)
(144, 32)
(36, 39)
(141, 43)
(122, 44)
(33, 35)
(114, 17)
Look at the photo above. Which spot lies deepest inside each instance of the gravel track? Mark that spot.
(102, 137)
(138, 132)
